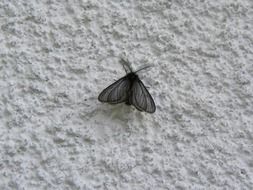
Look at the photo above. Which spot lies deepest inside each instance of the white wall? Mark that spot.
(57, 56)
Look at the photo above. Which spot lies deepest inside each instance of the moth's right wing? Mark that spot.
(116, 92)
(140, 97)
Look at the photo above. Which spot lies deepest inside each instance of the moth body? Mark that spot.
(130, 90)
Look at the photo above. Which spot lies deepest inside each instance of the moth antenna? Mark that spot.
(143, 68)
(126, 65)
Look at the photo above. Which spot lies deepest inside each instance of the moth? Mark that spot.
(130, 90)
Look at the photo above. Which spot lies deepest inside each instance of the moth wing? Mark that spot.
(116, 92)
(140, 97)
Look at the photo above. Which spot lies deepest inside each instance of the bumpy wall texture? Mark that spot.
(57, 55)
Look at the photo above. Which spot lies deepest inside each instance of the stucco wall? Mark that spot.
(55, 58)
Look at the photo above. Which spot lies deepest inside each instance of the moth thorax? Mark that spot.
(132, 76)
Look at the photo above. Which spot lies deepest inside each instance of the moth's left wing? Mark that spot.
(116, 92)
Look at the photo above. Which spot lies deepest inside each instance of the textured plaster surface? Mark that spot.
(56, 56)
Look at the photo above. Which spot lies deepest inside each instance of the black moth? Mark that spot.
(129, 89)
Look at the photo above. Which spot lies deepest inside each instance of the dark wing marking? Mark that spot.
(141, 98)
(116, 92)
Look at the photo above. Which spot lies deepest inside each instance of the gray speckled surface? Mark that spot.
(55, 58)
